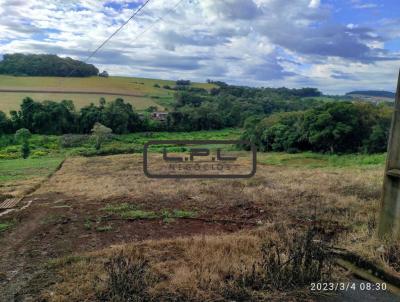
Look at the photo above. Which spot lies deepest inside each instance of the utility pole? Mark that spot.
(389, 220)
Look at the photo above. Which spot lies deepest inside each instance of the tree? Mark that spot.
(100, 133)
(47, 117)
(334, 127)
(183, 82)
(104, 74)
(23, 136)
(152, 109)
(120, 117)
(5, 124)
(88, 116)
(45, 65)
(378, 139)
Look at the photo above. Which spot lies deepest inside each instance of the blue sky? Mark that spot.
(334, 45)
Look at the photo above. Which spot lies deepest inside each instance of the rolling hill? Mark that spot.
(374, 96)
(140, 92)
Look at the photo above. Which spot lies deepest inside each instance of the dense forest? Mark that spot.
(45, 65)
(335, 127)
(275, 119)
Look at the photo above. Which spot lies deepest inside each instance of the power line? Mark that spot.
(117, 31)
(122, 26)
(112, 35)
(170, 10)
(135, 13)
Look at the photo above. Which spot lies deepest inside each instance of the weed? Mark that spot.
(391, 255)
(88, 224)
(118, 208)
(289, 262)
(295, 262)
(4, 226)
(138, 214)
(102, 229)
(169, 217)
(64, 261)
(183, 214)
(127, 279)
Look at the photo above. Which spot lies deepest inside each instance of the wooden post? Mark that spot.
(389, 221)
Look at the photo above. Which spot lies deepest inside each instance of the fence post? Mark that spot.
(389, 220)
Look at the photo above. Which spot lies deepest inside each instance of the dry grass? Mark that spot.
(111, 84)
(201, 268)
(341, 204)
(348, 199)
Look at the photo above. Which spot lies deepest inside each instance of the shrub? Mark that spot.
(73, 140)
(100, 134)
(298, 262)
(6, 155)
(23, 135)
(128, 278)
(291, 262)
(105, 151)
(39, 153)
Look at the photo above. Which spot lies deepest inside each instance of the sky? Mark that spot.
(334, 45)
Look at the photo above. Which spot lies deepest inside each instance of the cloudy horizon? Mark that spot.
(333, 45)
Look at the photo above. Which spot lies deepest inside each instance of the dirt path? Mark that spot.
(15, 264)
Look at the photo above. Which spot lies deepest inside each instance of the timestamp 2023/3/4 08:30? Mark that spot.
(348, 286)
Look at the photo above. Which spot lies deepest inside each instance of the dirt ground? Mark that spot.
(68, 214)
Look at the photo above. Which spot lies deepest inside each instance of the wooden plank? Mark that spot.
(10, 203)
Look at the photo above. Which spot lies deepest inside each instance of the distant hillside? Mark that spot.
(139, 92)
(374, 93)
(45, 65)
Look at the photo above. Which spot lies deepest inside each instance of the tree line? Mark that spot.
(229, 106)
(334, 127)
(275, 119)
(194, 109)
(45, 65)
(58, 118)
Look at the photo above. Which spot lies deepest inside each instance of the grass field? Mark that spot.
(317, 160)
(18, 175)
(20, 169)
(101, 214)
(147, 94)
(11, 101)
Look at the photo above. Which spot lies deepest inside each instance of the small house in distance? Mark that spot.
(159, 116)
(104, 74)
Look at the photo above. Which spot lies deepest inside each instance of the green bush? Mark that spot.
(39, 153)
(104, 152)
(6, 155)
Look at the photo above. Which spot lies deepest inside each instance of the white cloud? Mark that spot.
(314, 4)
(260, 42)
